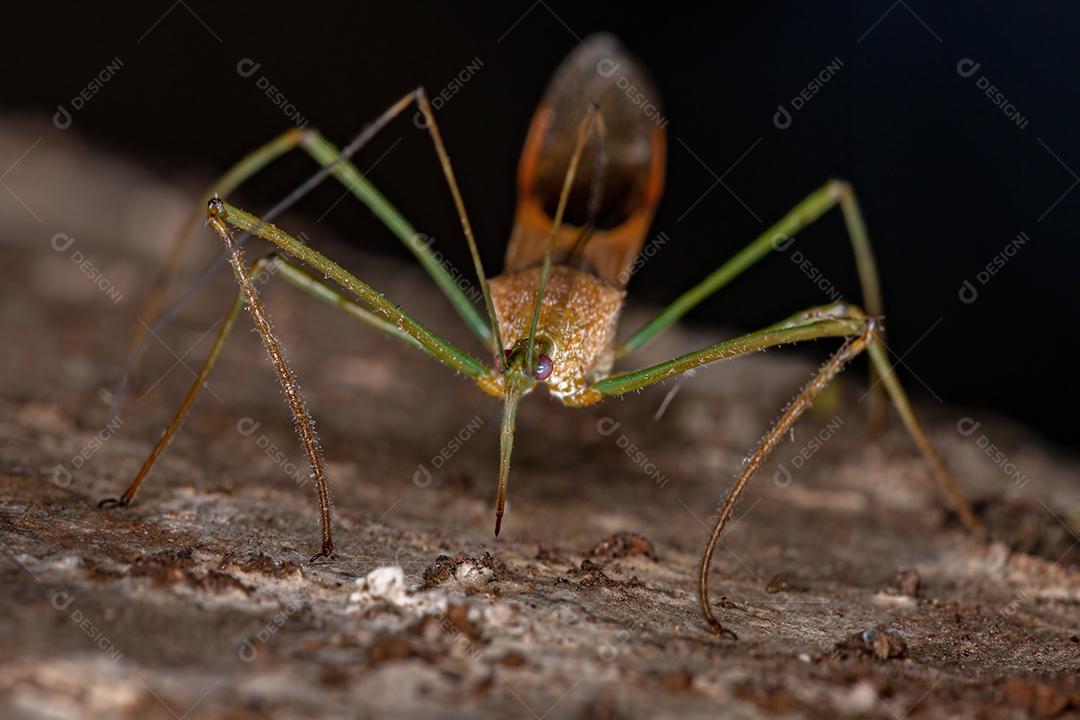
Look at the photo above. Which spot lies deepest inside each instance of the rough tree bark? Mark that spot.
(853, 591)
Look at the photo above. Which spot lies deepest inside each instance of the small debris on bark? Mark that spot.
(907, 582)
(623, 544)
(882, 644)
(1038, 698)
(783, 582)
(471, 572)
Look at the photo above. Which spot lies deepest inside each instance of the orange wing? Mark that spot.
(600, 72)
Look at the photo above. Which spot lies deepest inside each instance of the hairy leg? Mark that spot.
(861, 333)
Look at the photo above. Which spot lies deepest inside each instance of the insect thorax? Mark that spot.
(578, 318)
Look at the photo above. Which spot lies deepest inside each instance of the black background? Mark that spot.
(945, 179)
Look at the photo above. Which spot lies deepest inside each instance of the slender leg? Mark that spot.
(270, 265)
(248, 295)
(221, 213)
(305, 426)
(839, 320)
(812, 329)
(306, 282)
(225, 185)
(776, 237)
(171, 429)
(804, 400)
(327, 155)
(779, 237)
(335, 163)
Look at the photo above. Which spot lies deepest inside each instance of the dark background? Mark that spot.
(945, 179)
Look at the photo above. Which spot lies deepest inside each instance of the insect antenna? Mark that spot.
(466, 226)
(591, 115)
(596, 192)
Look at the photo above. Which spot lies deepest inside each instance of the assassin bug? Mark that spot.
(589, 180)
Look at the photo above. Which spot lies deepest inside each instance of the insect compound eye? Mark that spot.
(544, 366)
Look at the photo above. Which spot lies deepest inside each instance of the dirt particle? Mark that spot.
(483, 685)
(677, 682)
(97, 573)
(427, 638)
(623, 544)
(219, 582)
(513, 659)
(601, 708)
(334, 676)
(388, 648)
(769, 696)
(470, 571)
(590, 575)
(1035, 697)
(882, 644)
(458, 616)
(438, 572)
(263, 564)
(782, 582)
(907, 582)
(179, 567)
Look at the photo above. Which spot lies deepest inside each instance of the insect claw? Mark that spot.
(722, 631)
(498, 523)
(215, 207)
(326, 552)
(109, 503)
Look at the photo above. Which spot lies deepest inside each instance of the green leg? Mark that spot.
(329, 157)
(334, 163)
(839, 320)
(337, 163)
(221, 213)
(225, 185)
(776, 237)
(779, 237)
(789, 331)
(298, 278)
